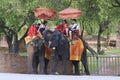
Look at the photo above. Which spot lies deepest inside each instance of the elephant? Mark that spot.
(36, 50)
(36, 54)
(61, 44)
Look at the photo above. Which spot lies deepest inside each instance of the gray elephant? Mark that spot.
(61, 45)
(36, 54)
(36, 50)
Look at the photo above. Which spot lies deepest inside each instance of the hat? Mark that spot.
(74, 20)
(44, 22)
(60, 23)
(37, 22)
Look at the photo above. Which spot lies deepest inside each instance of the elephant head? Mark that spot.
(56, 39)
(47, 34)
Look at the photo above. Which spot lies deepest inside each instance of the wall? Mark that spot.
(13, 63)
(10, 63)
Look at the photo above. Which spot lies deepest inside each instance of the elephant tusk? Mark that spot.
(49, 43)
(53, 48)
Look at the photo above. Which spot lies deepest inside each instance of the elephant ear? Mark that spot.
(37, 42)
(62, 39)
(40, 43)
(47, 34)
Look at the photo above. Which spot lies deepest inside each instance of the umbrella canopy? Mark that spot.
(44, 13)
(69, 13)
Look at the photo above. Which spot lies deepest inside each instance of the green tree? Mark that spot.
(17, 13)
(107, 16)
(98, 16)
(13, 16)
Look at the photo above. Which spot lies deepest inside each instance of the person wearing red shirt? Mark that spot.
(66, 27)
(33, 31)
(60, 28)
(31, 34)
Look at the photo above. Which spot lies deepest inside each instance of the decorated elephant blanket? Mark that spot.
(29, 38)
(76, 49)
(48, 52)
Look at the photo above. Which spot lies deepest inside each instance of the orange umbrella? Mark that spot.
(69, 13)
(44, 13)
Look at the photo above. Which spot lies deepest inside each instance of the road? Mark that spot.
(12, 76)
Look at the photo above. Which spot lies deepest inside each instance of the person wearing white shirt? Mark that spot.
(42, 27)
(73, 27)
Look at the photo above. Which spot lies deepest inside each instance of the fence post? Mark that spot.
(97, 64)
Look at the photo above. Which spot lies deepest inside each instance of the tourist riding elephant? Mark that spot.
(36, 54)
(62, 48)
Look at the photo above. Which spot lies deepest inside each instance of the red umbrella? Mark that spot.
(69, 13)
(44, 13)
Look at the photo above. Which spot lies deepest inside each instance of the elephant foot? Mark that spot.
(77, 74)
(64, 73)
(42, 73)
(87, 73)
(46, 73)
(35, 72)
(55, 73)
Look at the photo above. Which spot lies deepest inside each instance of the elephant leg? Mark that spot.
(46, 65)
(42, 65)
(85, 63)
(30, 64)
(30, 52)
(35, 63)
(55, 62)
(64, 65)
(76, 69)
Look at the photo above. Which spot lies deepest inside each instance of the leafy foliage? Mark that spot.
(97, 15)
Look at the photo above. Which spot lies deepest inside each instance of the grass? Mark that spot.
(23, 53)
(109, 52)
(113, 52)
